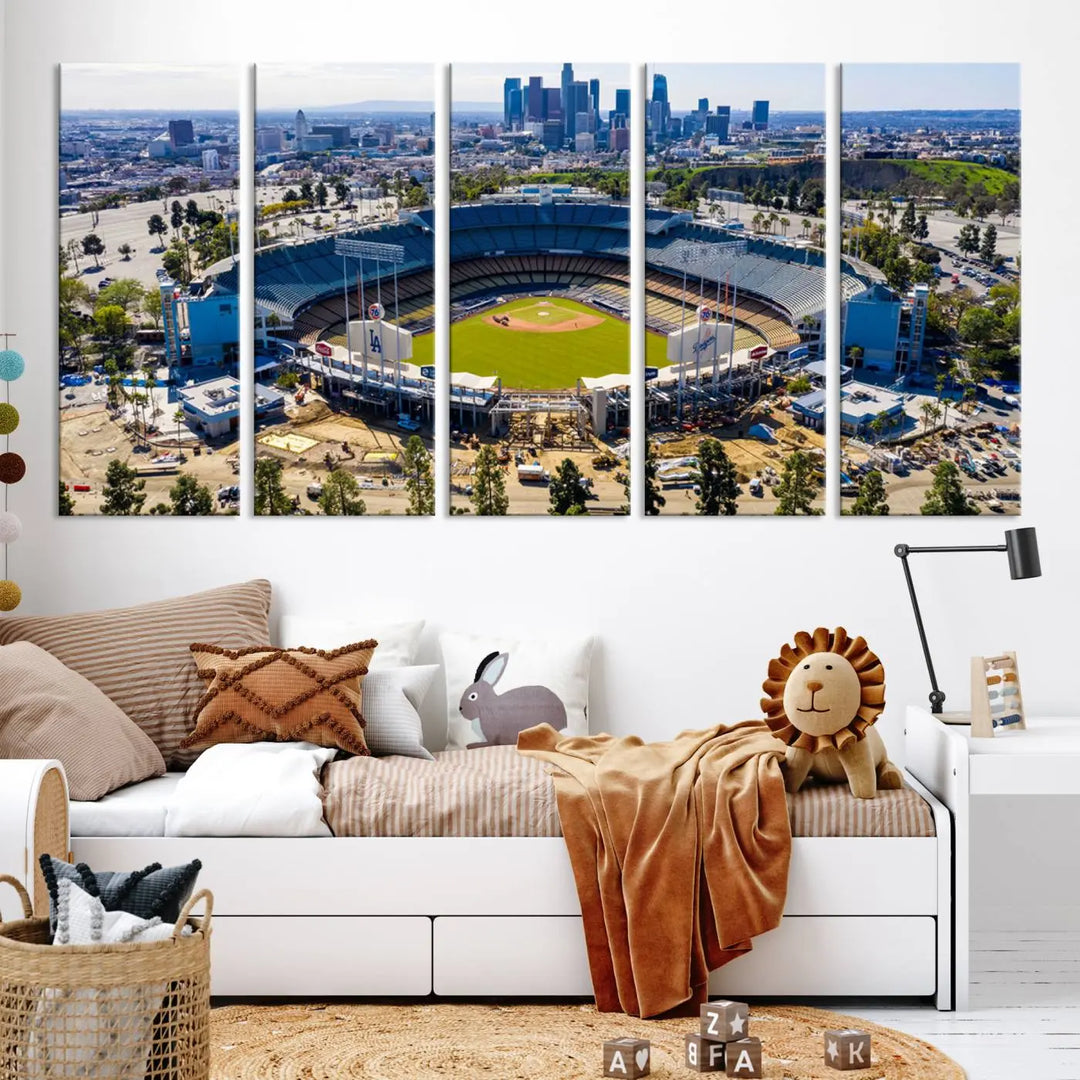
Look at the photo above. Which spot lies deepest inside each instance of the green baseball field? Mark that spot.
(540, 343)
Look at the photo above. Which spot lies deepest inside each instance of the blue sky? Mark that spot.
(184, 88)
(794, 87)
(308, 86)
(930, 86)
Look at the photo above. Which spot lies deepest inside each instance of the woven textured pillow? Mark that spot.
(139, 658)
(153, 891)
(261, 694)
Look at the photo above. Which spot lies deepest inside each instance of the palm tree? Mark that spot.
(178, 416)
(756, 221)
(784, 223)
(806, 223)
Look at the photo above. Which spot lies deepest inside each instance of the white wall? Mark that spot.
(690, 611)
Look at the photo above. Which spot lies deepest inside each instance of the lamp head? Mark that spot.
(1022, 548)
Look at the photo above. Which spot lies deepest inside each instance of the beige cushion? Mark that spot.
(141, 658)
(49, 711)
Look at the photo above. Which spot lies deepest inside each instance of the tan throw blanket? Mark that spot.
(680, 852)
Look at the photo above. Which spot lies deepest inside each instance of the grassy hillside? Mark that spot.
(921, 177)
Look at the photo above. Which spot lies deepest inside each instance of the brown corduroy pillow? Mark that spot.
(261, 694)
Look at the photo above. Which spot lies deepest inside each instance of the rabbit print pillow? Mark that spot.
(496, 687)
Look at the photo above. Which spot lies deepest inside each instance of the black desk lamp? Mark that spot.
(1023, 550)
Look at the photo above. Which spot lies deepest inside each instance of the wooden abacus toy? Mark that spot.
(627, 1058)
(847, 1048)
(996, 702)
(723, 1043)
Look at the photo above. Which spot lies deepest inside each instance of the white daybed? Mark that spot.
(413, 916)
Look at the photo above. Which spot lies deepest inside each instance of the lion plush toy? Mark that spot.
(824, 695)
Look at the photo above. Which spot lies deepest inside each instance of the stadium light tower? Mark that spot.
(394, 254)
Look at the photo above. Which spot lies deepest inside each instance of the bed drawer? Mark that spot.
(527, 955)
(270, 956)
(545, 956)
(825, 956)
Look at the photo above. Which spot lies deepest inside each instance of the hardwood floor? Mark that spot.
(1024, 1021)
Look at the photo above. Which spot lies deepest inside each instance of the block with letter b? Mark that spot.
(847, 1048)
(743, 1058)
(704, 1055)
(627, 1058)
(724, 1021)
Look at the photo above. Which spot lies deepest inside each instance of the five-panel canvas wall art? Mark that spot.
(739, 404)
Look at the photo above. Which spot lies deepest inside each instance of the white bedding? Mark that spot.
(251, 789)
(136, 810)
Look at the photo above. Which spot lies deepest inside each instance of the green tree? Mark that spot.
(151, 306)
(968, 239)
(945, 495)
(125, 251)
(978, 326)
(419, 477)
(565, 492)
(124, 492)
(988, 248)
(717, 479)
(126, 293)
(321, 194)
(112, 321)
(341, 495)
(92, 244)
(287, 380)
(488, 496)
(270, 497)
(907, 220)
(871, 499)
(654, 499)
(189, 498)
(155, 226)
(341, 190)
(799, 385)
(192, 212)
(798, 485)
(922, 229)
(307, 193)
(67, 503)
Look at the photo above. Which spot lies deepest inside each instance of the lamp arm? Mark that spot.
(937, 696)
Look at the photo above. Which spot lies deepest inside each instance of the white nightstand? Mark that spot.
(33, 820)
(955, 767)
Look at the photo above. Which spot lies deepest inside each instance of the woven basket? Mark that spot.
(104, 1012)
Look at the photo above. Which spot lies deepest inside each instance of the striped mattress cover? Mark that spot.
(495, 791)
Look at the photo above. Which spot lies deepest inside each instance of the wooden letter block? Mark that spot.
(626, 1058)
(847, 1048)
(743, 1058)
(704, 1055)
(725, 1021)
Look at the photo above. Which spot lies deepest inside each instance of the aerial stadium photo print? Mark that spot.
(930, 388)
(735, 399)
(344, 289)
(148, 312)
(540, 289)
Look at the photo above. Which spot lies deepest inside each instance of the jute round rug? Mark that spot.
(522, 1042)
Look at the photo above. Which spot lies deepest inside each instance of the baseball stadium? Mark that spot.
(728, 316)
(351, 315)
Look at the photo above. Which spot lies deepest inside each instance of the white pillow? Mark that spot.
(391, 702)
(497, 687)
(397, 641)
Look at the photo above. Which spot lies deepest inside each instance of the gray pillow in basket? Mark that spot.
(153, 891)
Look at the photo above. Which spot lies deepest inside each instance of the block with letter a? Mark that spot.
(743, 1058)
(704, 1055)
(627, 1058)
(847, 1048)
(725, 1021)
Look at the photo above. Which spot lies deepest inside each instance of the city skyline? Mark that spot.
(907, 87)
(787, 87)
(484, 82)
(179, 88)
